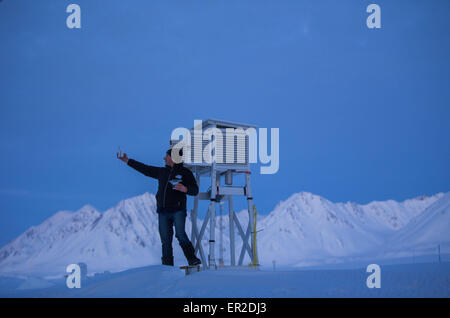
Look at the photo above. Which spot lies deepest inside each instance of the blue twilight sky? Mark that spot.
(363, 113)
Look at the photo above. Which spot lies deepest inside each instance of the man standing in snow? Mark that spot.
(171, 203)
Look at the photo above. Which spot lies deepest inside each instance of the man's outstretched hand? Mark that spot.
(124, 158)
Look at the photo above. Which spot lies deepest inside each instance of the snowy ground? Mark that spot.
(399, 280)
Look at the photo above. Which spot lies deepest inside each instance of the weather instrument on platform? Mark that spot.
(226, 160)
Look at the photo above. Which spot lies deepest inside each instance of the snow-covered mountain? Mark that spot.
(427, 230)
(121, 237)
(304, 228)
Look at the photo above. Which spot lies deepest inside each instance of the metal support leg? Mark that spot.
(250, 211)
(231, 221)
(221, 234)
(194, 214)
(195, 236)
(212, 232)
(198, 244)
(212, 217)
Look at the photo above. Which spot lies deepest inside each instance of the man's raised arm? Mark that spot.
(149, 171)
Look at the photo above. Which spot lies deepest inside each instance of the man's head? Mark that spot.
(168, 157)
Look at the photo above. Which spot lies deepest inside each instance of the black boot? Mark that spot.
(189, 253)
(195, 261)
(167, 261)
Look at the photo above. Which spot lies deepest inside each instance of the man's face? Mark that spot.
(168, 160)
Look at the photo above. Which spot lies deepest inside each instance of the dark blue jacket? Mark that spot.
(167, 198)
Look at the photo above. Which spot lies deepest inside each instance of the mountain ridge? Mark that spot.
(305, 226)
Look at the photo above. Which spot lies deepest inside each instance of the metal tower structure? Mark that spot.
(229, 144)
